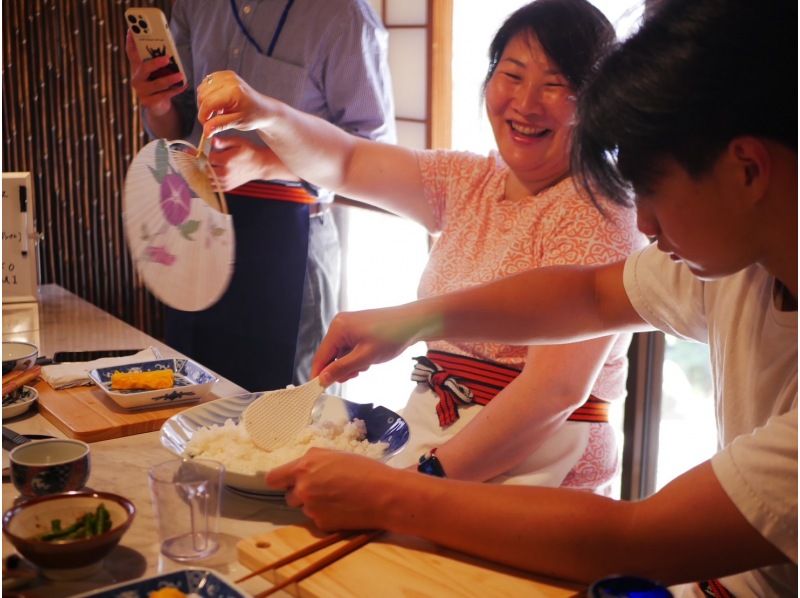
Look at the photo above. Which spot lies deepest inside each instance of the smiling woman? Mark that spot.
(494, 215)
(474, 24)
(530, 104)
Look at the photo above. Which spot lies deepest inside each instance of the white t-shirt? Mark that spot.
(753, 348)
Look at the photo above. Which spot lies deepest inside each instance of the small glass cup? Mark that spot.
(186, 497)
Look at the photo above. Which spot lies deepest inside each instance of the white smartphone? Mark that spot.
(153, 38)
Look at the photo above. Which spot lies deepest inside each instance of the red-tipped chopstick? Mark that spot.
(354, 543)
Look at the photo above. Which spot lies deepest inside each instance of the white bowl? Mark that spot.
(18, 356)
(27, 398)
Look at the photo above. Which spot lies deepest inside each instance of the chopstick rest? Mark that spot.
(355, 541)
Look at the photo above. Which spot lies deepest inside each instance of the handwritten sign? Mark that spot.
(20, 280)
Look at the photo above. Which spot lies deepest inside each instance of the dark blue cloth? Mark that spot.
(249, 336)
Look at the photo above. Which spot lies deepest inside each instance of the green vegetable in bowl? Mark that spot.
(87, 525)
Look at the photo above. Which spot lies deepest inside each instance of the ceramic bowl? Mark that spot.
(24, 398)
(66, 559)
(44, 467)
(192, 382)
(18, 356)
(192, 581)
(382, 425)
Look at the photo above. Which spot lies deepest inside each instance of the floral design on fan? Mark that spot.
(160, 255)
(175, 201)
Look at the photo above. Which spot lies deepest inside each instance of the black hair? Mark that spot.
(696, 75)
(573, 33)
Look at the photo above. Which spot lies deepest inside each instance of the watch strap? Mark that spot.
(429, 464)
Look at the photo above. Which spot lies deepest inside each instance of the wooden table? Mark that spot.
(64, 322)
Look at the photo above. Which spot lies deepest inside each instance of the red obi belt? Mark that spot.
(459, 380)
(289, 191)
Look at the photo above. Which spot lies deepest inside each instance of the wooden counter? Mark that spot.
(67, 323)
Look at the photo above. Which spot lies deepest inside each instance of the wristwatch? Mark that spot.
(429, 463)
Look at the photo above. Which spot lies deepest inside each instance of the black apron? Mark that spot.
(249, 336)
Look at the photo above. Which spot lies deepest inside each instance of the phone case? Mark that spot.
(153, 38)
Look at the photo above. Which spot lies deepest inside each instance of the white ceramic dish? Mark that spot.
(18, 356)
(382, 425)
(195, 581)
(25, 401)
(192, 382)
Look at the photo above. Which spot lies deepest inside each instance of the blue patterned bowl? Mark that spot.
(203, 583)
(18, 356)
(192, 382)
(50, 466)
(383, 425)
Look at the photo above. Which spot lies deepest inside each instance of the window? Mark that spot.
(687, 428)
(385, 254)
(384, 260)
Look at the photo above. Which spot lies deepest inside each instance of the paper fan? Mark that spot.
(177, 227)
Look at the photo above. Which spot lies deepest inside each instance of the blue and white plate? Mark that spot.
(383, 425)
(201, 582)
(192, 382)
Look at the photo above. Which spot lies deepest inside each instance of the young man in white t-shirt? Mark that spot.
(697, 113)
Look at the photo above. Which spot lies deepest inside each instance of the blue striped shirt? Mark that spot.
(330, 58)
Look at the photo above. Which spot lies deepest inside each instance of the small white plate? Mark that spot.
(192, 382)
(26, 400)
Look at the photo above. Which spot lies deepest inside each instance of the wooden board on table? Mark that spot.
(87, 414)
(392, 566)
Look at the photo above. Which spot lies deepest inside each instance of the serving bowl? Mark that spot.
(382, 425)
(18, 356)
(23, 523)
(192, 382)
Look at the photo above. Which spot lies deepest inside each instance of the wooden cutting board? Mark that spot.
(87, 414)
(393, 566)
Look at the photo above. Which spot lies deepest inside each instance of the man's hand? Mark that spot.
(156, 95)
(237, 160)
(335, 490)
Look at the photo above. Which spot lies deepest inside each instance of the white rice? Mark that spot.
(231, 445)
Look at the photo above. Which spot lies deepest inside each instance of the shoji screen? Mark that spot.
(419, 59)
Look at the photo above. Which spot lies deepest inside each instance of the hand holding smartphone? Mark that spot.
(153, 39)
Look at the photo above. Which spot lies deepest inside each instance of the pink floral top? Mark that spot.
(484, 237)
